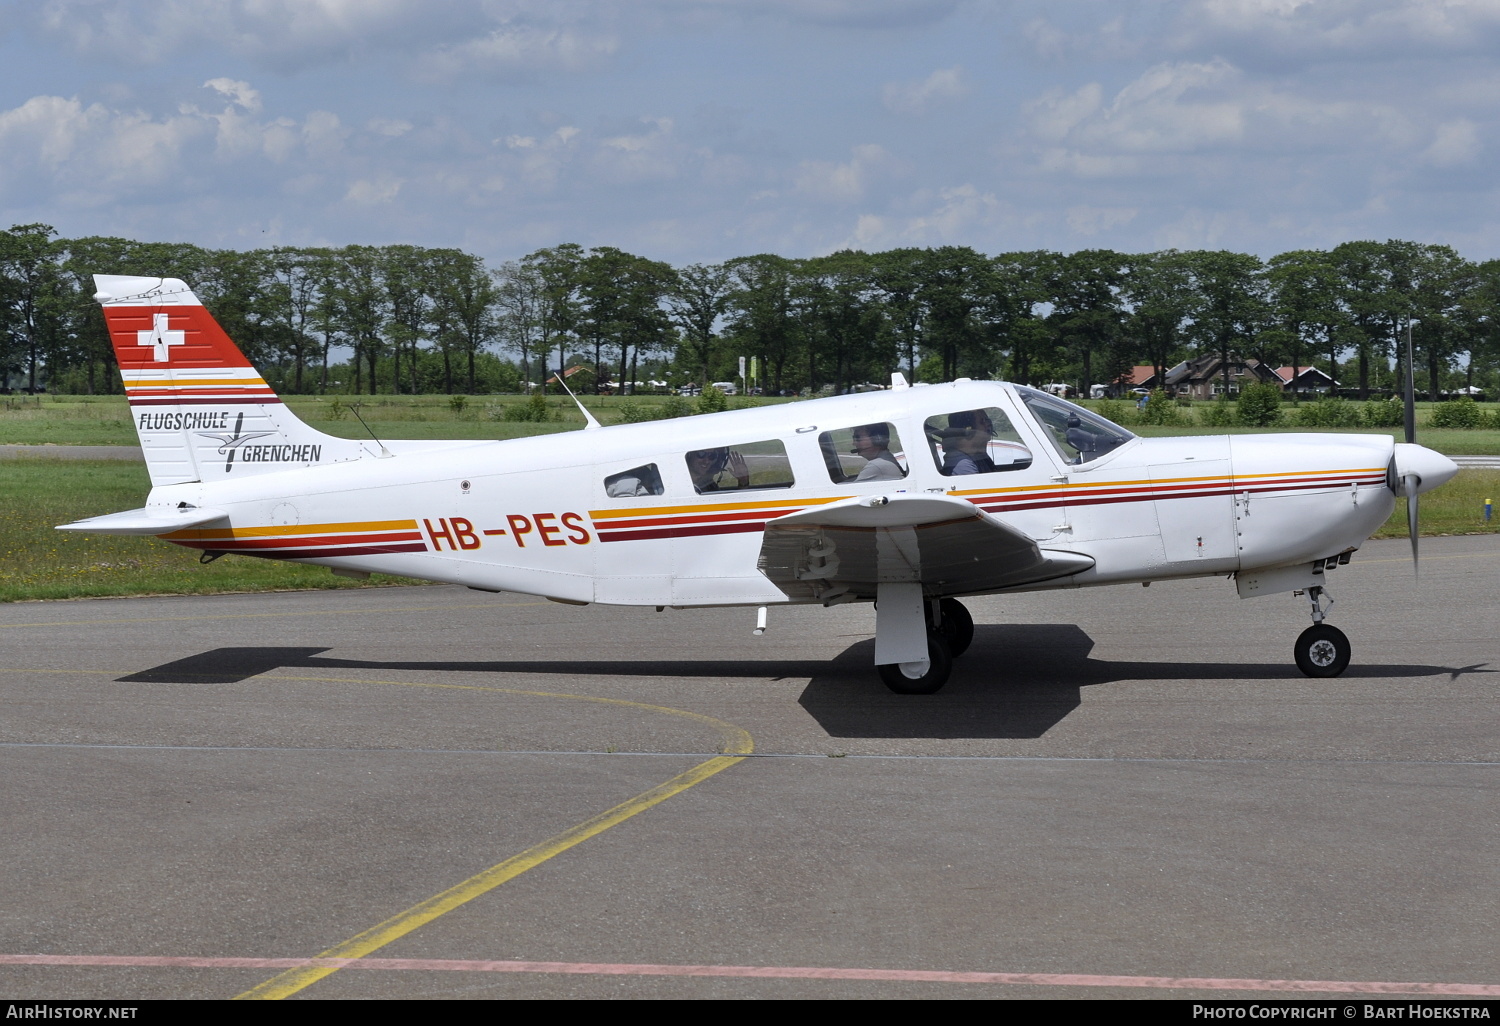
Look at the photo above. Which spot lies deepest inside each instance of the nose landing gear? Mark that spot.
(1322, 650)
(951, 619)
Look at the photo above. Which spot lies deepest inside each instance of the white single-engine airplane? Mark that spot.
(910, 497)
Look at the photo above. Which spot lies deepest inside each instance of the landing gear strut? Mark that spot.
(1322, 650)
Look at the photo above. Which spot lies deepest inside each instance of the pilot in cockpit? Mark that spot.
(965, 443)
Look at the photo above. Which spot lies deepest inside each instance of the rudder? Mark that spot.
(200, 408)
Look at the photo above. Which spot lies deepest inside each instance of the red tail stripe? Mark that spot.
(222, 400)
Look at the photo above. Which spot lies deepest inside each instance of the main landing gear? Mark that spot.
(950, 631)
(1322, 650)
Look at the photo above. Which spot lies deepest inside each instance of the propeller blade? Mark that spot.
(1411, 396)
(1411, 519)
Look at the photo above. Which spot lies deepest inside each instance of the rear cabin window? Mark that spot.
(976, 442)
(866, 452)
(635, 481)
(731, 468)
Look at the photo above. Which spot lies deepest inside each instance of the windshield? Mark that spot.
(1080, 436)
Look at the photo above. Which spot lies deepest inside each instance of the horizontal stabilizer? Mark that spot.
(948, 545)
(152, 520)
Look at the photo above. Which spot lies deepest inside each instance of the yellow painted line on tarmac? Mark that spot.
(263, 616)
(737, 745)
(290, 982)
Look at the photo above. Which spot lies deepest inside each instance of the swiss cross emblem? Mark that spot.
(160, 337)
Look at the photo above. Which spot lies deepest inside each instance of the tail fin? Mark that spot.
(201, 410)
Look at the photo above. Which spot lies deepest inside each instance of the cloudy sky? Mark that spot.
(694, 130)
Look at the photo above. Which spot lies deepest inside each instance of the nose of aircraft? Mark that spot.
(1429, 468)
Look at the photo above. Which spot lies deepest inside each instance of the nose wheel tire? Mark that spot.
(1322, 651)
(939, 665)
(957, 626)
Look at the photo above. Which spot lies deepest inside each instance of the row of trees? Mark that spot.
(406, 319)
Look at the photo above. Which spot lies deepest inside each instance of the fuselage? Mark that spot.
(546, 515)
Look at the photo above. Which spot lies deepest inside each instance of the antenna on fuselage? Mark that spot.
(587, 416)
(385, 453)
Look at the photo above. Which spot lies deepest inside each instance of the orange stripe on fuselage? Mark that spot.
(722, 507)
(225, 533)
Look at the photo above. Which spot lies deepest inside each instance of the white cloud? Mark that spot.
(1056, 113)
(1176, 113)
(238, 93)
(634, 156)
(1340, 27)
(878, 14)
(513, 47)
(950, 216)
(1093, 220)
(1456, 142)
(58, 143)
(917, 97)
(390, 127)
(841, 183)
(282, 32)
(1155, 112)
(374, 191)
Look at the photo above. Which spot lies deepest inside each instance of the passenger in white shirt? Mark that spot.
(872, 441)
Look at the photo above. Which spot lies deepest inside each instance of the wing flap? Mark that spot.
(951, 547)
(152, 520)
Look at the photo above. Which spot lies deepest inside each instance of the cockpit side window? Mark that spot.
(644, 480)
(866, 452)
(1080, 435)
(976, 442)
(740, 467)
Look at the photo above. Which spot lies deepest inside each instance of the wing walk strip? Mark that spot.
(767, 972)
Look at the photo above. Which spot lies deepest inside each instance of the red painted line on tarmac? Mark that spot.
(771, 972)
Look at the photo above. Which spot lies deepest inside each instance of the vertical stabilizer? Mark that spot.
(201, 410)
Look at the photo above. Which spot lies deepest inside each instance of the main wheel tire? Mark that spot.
(939, 666)
(1322, 651)
(957, 626)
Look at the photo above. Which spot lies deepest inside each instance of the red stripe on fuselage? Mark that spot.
(313, 553)
(223, 400)
(681, 532)
(235, 544)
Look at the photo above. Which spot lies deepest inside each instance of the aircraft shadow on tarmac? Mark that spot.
(1016, 681)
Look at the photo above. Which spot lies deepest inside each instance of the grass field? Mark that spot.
(37, 562)
(105, 420)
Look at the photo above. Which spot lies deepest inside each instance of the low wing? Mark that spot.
(949, 546)
(152, 520)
